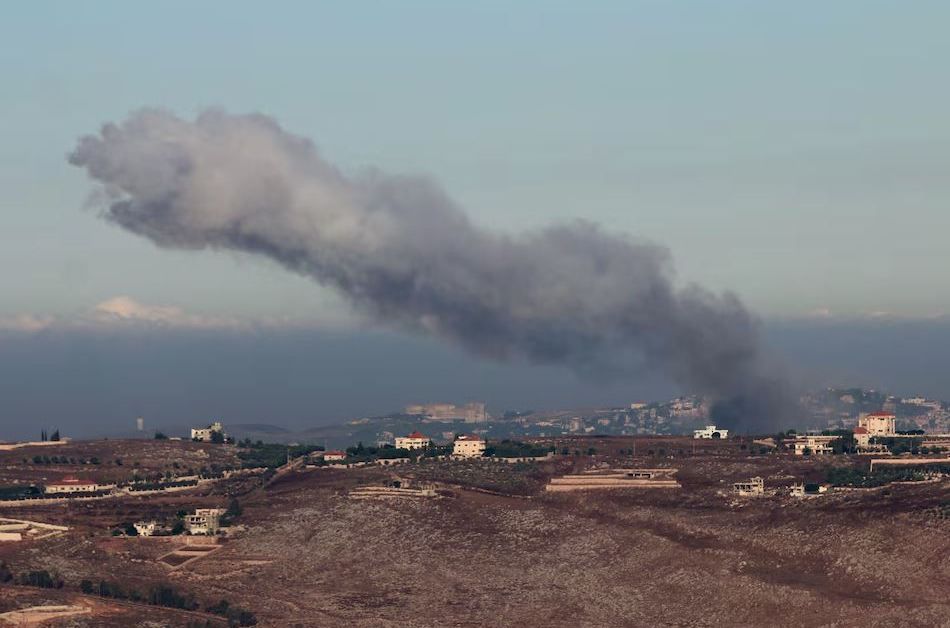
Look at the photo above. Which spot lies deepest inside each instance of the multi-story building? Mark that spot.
(813, 444)
(755, 486)
(204, 521)
(879, 423)
(467, 446)
(206, 434)
(416, 440)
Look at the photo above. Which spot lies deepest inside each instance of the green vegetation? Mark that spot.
(271, 454)
(236, 616)
(168, 597)
(18, 492)
(899, 446)
(520, 478)
(41, 578)
(360, 453)
(516, 449)
(156, 486)
(843, 476)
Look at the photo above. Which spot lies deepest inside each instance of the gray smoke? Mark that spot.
(402, 251)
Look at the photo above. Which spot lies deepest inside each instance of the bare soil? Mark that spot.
(697, 556)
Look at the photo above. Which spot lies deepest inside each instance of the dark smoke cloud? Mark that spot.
(401, 250)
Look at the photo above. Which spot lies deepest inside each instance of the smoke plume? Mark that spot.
(403, 252)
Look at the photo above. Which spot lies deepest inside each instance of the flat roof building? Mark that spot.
(416, 440)
(710, 431)
(879, 423)
(467, 446)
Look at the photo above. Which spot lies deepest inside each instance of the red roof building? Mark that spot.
(416, 440)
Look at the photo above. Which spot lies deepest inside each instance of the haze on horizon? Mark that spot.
(796, 157)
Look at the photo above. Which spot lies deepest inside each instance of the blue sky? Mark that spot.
(796, 153)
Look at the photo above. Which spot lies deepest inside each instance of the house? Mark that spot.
(207, 434)
(145, 528)
(467, 446)
(334, 456)
(813, 444)
(879, 423)
(861, 436)
(204, 521)
(755, 486)
(70, 484)
(710, 431)
(416, 440)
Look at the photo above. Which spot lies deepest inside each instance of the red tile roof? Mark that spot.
(860, 430)
(468, 437)
(417, 434)
(334, 453)
(880, 414)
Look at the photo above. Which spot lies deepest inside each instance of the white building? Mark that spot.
(710, 431)
(467, 446)
(204, 521)
(71, 484)
(817, 445)
(879, 423)
(205, 434)
(416, 440)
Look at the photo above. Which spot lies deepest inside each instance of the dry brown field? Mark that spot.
(476, 556)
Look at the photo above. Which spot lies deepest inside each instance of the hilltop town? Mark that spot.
(441, 523)
(828, 409)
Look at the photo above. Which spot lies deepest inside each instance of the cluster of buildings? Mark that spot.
(202, 522)
(464, 446)
(841, 408)
(870, 425)
(473, 412)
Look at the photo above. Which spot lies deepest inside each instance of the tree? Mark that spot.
(86, 587)
(130, 530)
(217, 437)
(55, 436)
(234, 508)
(160, 436)
(5, 574)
